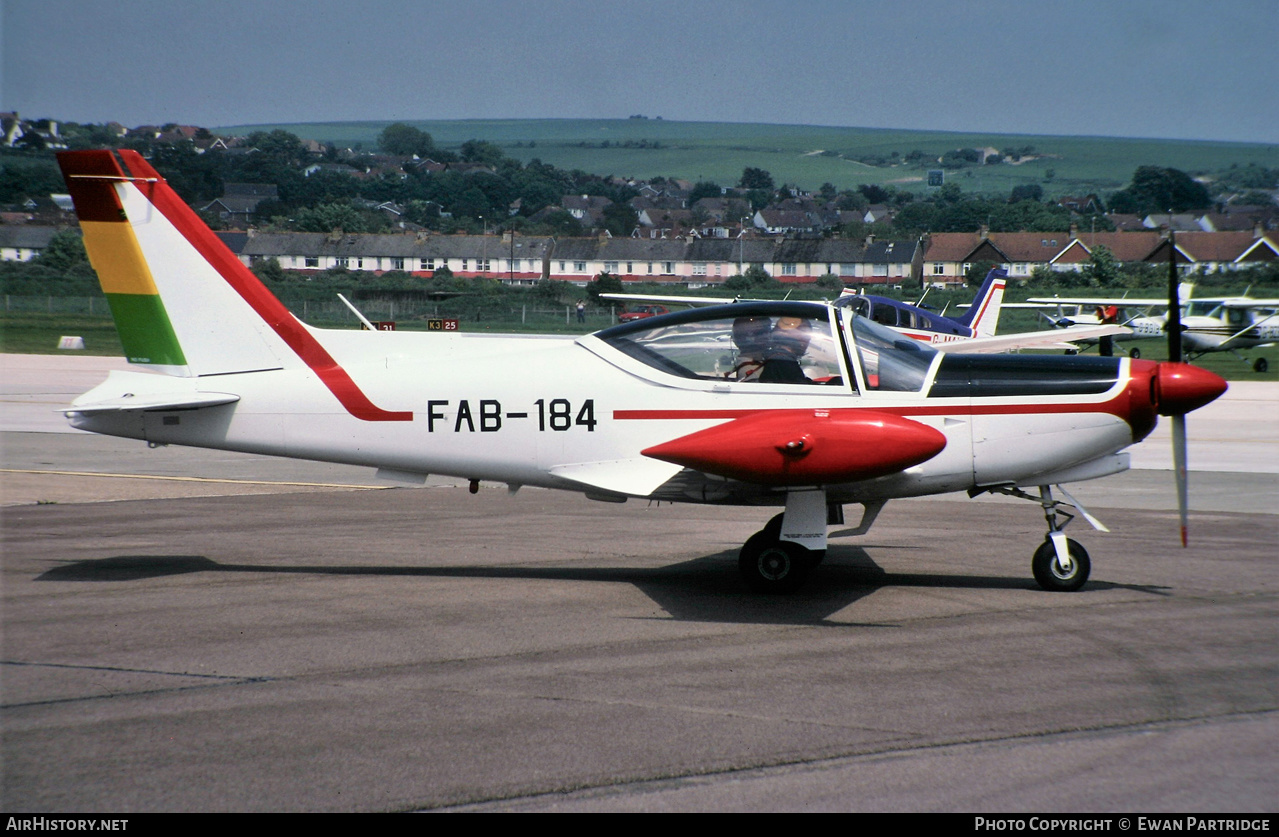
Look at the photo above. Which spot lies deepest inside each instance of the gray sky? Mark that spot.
(1140, 68)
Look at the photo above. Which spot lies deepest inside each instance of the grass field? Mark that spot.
(805, 155)
(38, 334)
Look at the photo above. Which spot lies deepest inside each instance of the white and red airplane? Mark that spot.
(799, 405)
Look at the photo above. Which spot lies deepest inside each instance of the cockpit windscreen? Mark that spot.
(779, 343)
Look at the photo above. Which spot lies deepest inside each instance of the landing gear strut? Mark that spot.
(1060, 564)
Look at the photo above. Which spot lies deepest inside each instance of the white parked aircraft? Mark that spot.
(1218, 324)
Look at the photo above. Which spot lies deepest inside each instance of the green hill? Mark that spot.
(808, 155)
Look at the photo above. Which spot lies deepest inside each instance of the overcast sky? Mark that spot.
(1136, 68)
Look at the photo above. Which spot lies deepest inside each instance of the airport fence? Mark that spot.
(473, 314)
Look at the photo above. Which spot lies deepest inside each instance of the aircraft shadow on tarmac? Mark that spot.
(701, 589)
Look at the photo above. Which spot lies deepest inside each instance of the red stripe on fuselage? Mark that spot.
(262, 301)
(1130, 404)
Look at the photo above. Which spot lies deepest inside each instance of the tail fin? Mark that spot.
(983, 315)
(182, 302)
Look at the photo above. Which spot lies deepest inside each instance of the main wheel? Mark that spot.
(1134, 353)
(772, 566)
(1260, 365)
(773, 531)
(1050, 576)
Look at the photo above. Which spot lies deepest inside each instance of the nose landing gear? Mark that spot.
(1060, 564)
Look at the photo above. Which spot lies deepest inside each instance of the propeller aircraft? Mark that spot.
(801, 406)
(1217, 324)
(1224, 324)
(1076, 312)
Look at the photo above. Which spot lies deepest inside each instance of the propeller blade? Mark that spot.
(1182, 388)
(1173, 327)
(1179, 466)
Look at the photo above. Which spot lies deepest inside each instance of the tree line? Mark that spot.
(478, 185)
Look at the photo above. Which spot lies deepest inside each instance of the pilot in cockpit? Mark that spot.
(788, 343)
(751, 337)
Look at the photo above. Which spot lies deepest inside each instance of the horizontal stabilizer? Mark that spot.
(157, 401)
(637, 477)
(123, 391)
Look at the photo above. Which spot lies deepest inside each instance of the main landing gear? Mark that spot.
(779, 557)
(771, 565)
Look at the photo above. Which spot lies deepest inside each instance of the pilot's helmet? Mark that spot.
(751, 333)
(792, 335)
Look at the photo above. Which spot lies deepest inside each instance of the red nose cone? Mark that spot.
(1183, 388)
(805, 447)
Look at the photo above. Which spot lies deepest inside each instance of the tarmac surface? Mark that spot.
(192, 630)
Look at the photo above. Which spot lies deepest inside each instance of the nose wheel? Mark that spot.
(1056, 575)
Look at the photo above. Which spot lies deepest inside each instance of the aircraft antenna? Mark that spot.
(357, 313)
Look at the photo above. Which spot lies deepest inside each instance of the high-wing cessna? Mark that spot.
(1072, 313)
(1218, 324)
(797, 405)
(1224, 324)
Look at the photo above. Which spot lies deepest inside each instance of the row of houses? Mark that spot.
(949, 255)
(941, 258)
(687, 261)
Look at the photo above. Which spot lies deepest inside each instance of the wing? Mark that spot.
(675, 300)
(1043, 301)
(1061, 338)
(1250, 303)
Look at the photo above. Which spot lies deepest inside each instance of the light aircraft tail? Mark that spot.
(182, 301)
(983, 315)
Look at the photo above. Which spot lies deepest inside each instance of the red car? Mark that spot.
(640, 312)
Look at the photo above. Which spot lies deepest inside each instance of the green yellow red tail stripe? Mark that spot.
(146, 332)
